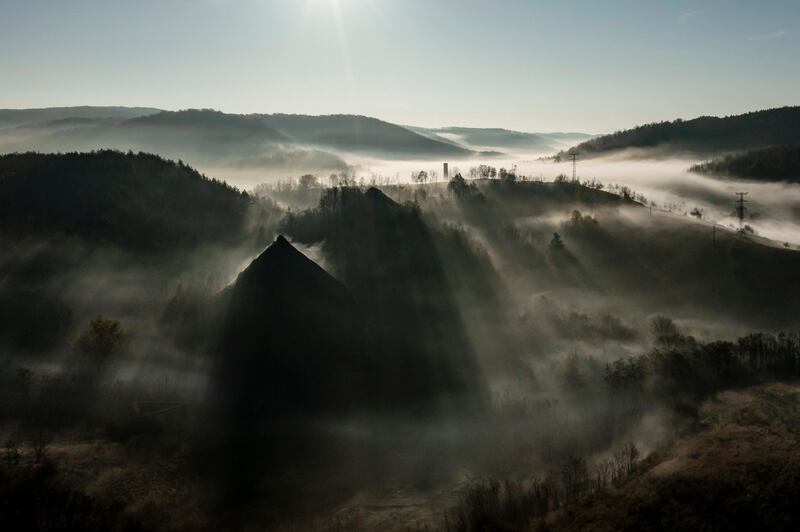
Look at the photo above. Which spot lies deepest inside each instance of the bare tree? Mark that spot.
(574, 479)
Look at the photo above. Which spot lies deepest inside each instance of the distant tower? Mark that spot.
(741, 210)
(445, 171)
(574, 156)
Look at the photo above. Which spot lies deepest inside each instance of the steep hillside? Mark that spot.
(776, 163)
(290, 338)
(705, 135)
(385, 254)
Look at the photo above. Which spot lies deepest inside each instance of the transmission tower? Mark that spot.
(741, 210)
(574, 156)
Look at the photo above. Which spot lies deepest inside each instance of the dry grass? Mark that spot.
(741, 473)
(148, 488)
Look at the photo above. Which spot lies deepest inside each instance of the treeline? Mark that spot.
(523, 505)
(678, 372)
(682, 372)
(137, 201)
(776, 163)
(705, 134)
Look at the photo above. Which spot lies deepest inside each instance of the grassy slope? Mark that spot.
(741, 472)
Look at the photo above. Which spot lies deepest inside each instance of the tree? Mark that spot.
(104, 338)
(665, 331)
(556, 243)
(309, 181)
(460, 188)
(508, 175)
(419, 177)
(570, 372)
(574, 477)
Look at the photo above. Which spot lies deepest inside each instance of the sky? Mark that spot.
(593, 66)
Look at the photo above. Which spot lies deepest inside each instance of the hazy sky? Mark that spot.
(535, 65)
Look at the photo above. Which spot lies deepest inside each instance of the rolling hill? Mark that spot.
(776, 163)
(501, 139)
(278, 143)
(705, 135)
(360, 134)
(18, 117)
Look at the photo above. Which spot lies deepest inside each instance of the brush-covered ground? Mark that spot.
(736, 468)
(740, 471)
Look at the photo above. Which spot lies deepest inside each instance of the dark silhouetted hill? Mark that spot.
(290, 338)
(385, 254)
(289, 358)
(776, 163)
(135, 201)
(704, 135)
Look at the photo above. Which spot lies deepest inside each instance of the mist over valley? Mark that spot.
(370, 265)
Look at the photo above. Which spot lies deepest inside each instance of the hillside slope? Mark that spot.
(776, 163)
(477, 138)
(360, 134)
(741, 473)
(18, 117)
(705, 135)
(401, 288)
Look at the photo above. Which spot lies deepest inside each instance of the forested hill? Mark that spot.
(19, 117)
(360, 134)
(705, 135)
(776, 163)
(135, 201)
(209, 124)
(277, 143)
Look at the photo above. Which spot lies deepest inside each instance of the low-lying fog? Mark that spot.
(773, 210)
